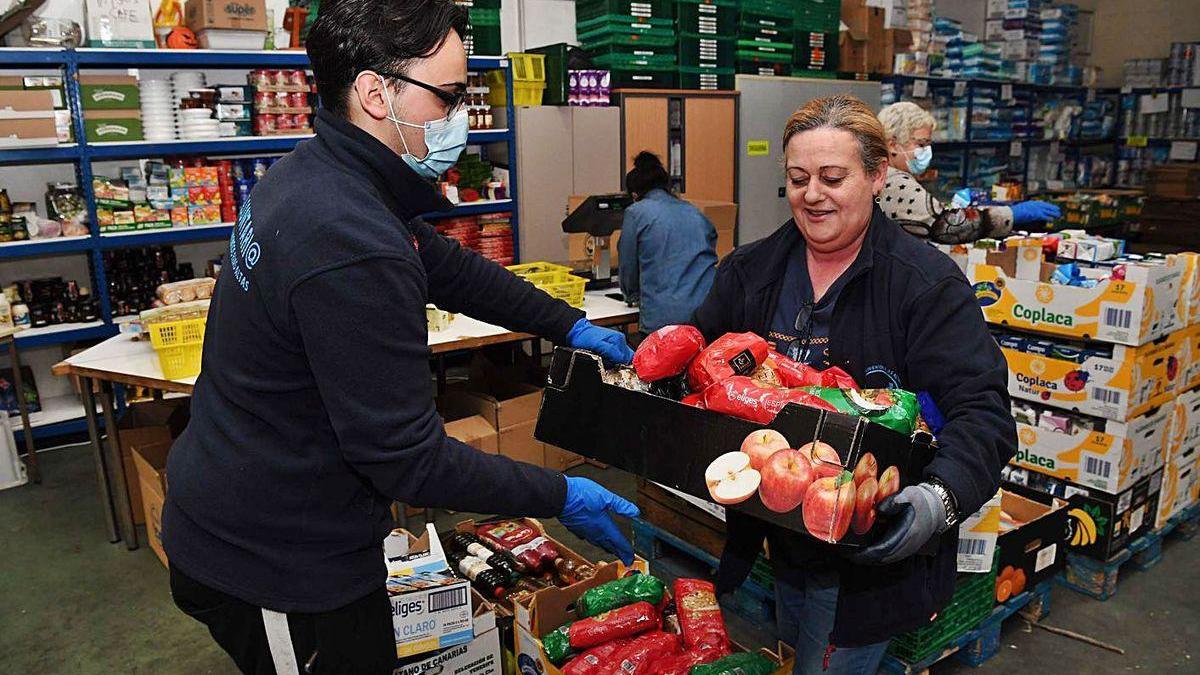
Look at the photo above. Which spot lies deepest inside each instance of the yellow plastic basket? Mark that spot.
(562, 285)
(529, 80)
(179, 345)
(535, 267)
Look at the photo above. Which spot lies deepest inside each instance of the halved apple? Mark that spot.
(730, 479)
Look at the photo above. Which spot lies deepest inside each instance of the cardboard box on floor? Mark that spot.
(431, 608)
(144, 424)
(1036, 549)
(150, 474)
(1181, 485)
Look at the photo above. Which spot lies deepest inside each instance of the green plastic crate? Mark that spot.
(485, 41)
(586, 10)
(818, 74)
(610, 23)
(557, 84)
(752, 65)
(484, 17)
(644, 79)
(636, 61)
(815, 51)
(706, 78)
(759, 47)
(706, 50)
(821, 16)
(784, 9)
(481, 4)
(649, 38)
(707, 18)
(974, 597)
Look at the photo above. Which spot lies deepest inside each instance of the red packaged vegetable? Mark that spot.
(595, 660)
(795, 374)
(694, 400)
(577, 636)
(639, 656)
(740, 397)
(729, 355)
(700, 620)
(681, 664)
(667, 352)
(524, 542)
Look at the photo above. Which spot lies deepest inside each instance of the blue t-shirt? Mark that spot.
(788, 329)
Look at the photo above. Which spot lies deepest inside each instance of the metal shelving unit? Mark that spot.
(83, 154)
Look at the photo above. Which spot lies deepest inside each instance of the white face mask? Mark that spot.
(445, 140)
(920, 159)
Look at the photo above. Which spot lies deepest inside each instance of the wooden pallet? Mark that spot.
(751, 601)
(1098, 578)
(978, 645)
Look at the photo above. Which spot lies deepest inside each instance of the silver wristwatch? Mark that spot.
(948, 500)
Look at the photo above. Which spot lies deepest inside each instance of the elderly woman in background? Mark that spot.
(841, 284)
(909, 129)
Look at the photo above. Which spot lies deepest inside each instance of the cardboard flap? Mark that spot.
(406, 554)
(550, 608)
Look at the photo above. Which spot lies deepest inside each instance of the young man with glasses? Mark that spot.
(315, 409)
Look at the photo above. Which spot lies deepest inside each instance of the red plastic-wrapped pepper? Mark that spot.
(681, 664)
(795, 374)
(524, 542)
(741, 397)
(595, 660)
(729, 355)
(694, 400)
(560, 643)
(667, 352)
(639, 656)
(700, 620)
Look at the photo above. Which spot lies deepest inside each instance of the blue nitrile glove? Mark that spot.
(918, 515)
(1034, 211)
(608, 343)
(585, 514)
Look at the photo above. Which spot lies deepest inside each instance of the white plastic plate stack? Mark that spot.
(158, 110)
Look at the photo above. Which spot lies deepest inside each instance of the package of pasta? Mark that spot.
(643, 652)
(740, 397)
(700, 620)
(620, 592)
(681, 664)
(895, 409)
(729, 355)
(742, 663)
(667, 352)
(572, 638)
(594, 661)
(790, 373)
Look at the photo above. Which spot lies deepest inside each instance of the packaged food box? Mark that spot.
(1035, 549)
(431, 608)
(248, 15)
(480, 656)
(1013, 289)
(675, 444)
(1181, 486)
(1099, 524)
(106, 126)
(109, 92)
(1185, 427)
(1110, 459)
(1117, 384)
(977, 535)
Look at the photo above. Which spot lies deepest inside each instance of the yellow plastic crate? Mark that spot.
(179, 345)
(535, 267)
(562, 285)
(524, 93)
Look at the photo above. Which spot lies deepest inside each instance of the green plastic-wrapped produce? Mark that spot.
(743, 663)
(620, 592)
(557, 644)
(895, 409)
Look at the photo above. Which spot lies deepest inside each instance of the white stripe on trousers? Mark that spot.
(279, 639)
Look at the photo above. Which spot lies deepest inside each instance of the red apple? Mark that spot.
(785, 480)
(889, 484)
(864, 505)
(824, 459)
(761, 444)
(829, 507)
(867, 468)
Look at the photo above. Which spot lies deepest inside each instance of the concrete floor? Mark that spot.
(70, 602)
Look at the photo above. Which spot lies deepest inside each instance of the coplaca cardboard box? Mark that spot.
(1127, 384)
(1190, 294)
(1189, 339)
(977, 536)
(232, 14)
(1109, 460)
(1185, 427)
(1100, 524)
(1037, 548)
(1181, 486)
(150, 462)
(1013, 288)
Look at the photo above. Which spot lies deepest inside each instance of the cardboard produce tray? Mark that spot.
(672, 443)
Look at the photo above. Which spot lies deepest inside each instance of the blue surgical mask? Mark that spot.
(445, 140)
(919, 162)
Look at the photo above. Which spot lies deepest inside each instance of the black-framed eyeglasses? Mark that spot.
(804, 330)
(453, 100)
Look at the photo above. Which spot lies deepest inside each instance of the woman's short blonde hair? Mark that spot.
(847, 113)
(901, 120)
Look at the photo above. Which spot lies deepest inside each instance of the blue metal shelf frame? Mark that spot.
(83, 154)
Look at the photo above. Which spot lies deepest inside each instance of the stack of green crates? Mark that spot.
(483, 27)
(816, 37)
(634, 39)
(765, 34)
(707, 43)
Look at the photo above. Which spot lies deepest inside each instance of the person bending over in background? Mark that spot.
(314, 410)
(668, 249)
(909, 130)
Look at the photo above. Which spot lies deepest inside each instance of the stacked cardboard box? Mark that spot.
(868, 46)
(923, 55)
(111, 108)
(27, 118)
